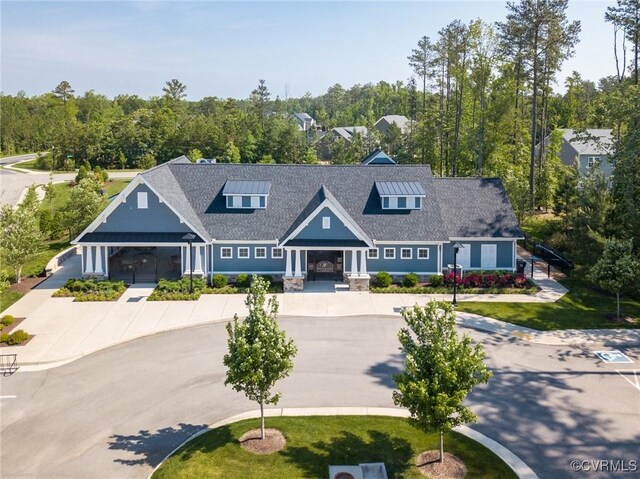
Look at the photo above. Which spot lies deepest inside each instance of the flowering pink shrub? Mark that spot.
(488, 280)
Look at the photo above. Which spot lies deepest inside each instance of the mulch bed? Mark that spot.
(27, 284)
(9, 329)
(451, 468)
(273, 441)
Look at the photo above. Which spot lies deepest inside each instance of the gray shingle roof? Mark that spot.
(475, 206)
(590, 141)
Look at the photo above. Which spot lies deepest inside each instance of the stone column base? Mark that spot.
(293, 284)
(359, 282)
(94, 276)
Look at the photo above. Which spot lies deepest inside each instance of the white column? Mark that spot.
(354, 261)
(298, 273)
(106, 261)
(98, 259)
(363, 262)
(187, 260)
(287, 271)
(88, 262)
(198, 266)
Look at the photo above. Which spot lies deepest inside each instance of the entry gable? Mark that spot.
(328, 222)
(138, 209)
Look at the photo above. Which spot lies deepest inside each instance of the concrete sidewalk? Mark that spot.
(66, 330)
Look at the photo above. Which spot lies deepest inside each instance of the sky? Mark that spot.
(222, 48)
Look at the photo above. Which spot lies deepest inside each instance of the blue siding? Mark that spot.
(252, 264)
(337, 231)
(399, 265)
(504, 253)
(156, 218)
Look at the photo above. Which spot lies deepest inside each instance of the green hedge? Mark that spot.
(91, 290)
(449, 290)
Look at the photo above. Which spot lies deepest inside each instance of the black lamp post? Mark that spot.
(189, 237)
(456, 248)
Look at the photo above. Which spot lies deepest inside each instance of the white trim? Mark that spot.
(230, 248)
(398, 273)
(235, 242)
(406, 249)
(326, 204)
(482, 238)
(128, 245)
(243, 248)
(377, 256)
(384, 253)
(423, 249)
(377, 242)
(255, 252)
(281, 252)
(121, 198)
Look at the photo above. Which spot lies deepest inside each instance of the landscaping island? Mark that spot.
(315, 443)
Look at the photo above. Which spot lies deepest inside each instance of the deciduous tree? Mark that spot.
(440, 369)
(259, 352)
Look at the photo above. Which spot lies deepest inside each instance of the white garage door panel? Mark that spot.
(488, 256)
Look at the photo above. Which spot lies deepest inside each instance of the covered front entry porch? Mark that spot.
(339, 263)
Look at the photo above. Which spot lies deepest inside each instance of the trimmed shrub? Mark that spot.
(383, 279)
(7, 320)
(410, 280)
(4, 338)
(243, 280)
(18, 337)
(436, 280)
(219, 281)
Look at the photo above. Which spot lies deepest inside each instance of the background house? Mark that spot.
(305, 122)
(588, 149)
(345, 134)
(385, 122)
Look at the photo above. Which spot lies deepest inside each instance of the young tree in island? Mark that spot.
(617, 270)
(20, 236)
(440, 369)
(259, 352)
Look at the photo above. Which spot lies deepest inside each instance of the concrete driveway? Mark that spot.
(116, 413)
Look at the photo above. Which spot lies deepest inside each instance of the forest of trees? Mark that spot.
(481, 99)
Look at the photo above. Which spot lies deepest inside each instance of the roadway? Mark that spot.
(118, 412)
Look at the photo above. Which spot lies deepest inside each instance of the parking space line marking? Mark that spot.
(636, 380)
(8, 397)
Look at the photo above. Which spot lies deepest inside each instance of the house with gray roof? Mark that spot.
(385, 122)
(305, 121)
(587, 149)
(299, 222)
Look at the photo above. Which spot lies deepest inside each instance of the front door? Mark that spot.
(324, 265)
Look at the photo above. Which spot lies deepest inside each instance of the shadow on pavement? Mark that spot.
(150, 448)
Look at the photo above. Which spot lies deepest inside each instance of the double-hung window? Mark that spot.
(243, 252)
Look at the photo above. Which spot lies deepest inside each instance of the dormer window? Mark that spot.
(246, 194)
(400, 195)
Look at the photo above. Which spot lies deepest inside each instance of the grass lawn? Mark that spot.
(581, 308)
(7, 298)
(314, 443)
(63, 192)
(31, 165)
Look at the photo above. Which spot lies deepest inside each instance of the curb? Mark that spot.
(517, 465)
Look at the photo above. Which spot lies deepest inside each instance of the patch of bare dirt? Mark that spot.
(27, 284)
(273, 441)
(451, 468)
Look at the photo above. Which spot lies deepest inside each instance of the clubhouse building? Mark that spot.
(300, 223)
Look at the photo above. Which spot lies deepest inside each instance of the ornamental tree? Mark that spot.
(440, 369)
(259, 352)
(617, 271)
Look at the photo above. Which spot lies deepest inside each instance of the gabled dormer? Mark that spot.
(246, 194)
(400, 195)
